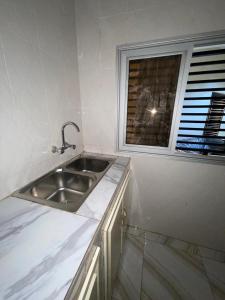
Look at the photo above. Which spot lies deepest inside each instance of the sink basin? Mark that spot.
(68, 198)
(68, 186)
(85, 164)
(67, 190)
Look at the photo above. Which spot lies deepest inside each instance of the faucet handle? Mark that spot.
(61, 150)
(67, 145)
(72, 146)
(55, 149)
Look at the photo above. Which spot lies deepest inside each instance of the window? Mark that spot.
(202, 124)
(172, 96)
(152, 84)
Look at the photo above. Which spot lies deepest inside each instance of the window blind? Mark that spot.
(202, 124)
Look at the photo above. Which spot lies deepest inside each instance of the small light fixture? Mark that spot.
(153, 111)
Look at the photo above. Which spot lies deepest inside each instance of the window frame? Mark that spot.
(179, 45)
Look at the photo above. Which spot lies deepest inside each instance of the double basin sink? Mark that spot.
(68, 186)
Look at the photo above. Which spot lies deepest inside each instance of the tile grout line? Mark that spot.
(143, 234)
(142, 267)
(189, 249)
(170, 237)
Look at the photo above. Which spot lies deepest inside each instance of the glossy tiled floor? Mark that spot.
(157, 267)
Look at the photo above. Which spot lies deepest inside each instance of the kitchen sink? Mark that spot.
(60, 189)
(68, 186)
(58, 181)
(85, 164)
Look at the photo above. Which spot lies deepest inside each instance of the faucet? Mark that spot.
(65, 145)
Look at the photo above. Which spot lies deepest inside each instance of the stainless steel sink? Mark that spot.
(60, 189)
(66, 187)
(86, 164)
(58, 181)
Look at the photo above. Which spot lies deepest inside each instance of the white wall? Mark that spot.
(175, 197)
(39, 88)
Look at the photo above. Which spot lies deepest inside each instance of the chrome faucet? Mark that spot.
(65, 145)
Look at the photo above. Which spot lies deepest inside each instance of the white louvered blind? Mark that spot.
(202, 124)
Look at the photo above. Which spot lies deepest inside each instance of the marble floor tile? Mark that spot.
(128, 285)
(187, 247)
(216, 273)
(144, 296)
(212, 254)
(159, 267)
(120, 289)
(169, 273)
(133, 230)
(156, 237)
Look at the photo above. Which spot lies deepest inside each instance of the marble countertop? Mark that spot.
(41, 248)
(97, 202)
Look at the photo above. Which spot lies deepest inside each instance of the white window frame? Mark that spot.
(182, 45)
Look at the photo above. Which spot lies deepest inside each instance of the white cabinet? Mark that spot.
(95, 281)
(90, 288)
(113, 240)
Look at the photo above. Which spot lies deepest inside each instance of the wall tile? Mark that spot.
(189, 201)
(216, 274)
(39, 88)
(108, 8)
(17, 17)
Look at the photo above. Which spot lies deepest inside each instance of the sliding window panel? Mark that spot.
(152, 83)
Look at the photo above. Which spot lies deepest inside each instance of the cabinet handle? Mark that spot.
(124, 216)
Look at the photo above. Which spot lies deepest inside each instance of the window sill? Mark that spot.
(214, 160)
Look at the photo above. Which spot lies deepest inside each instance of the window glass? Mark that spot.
(152, 85)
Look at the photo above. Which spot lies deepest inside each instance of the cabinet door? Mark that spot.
(112, 240)
(90, 289)
(93, 289)
(115, 234)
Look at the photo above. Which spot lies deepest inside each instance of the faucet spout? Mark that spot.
(65, 145)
